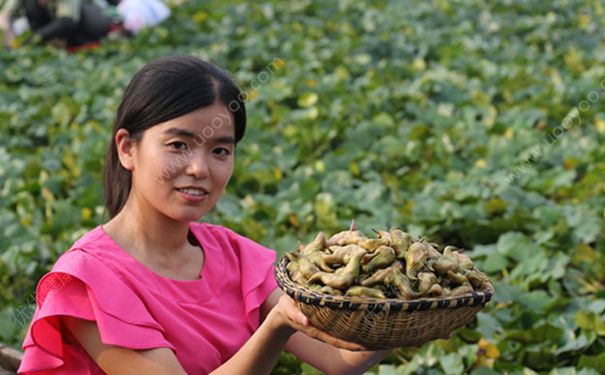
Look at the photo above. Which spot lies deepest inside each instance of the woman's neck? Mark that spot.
(145, 234)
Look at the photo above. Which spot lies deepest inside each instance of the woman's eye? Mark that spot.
(221, 151)
(178, 146)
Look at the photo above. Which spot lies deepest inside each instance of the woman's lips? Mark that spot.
(191, 194)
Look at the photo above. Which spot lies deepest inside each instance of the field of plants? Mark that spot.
(479, 124)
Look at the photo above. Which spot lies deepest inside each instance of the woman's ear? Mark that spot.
(125, 148)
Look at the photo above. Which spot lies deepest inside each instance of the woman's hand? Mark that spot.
(287, 316)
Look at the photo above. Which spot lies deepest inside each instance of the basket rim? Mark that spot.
(307, 296)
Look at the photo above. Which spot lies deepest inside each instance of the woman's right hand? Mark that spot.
(286, 316)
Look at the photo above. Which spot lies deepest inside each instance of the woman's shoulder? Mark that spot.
(91, 262)
(94, 238)
(84, 251)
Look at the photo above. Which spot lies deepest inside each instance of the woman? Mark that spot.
(152, 291)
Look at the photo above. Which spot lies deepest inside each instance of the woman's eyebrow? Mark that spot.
(200, 138)
(223, 139)
(181, 132)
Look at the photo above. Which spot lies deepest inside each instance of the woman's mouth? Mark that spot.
(192, 194)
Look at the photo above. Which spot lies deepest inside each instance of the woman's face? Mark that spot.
(180, 167)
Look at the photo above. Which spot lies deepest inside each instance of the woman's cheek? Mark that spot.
(169, 167)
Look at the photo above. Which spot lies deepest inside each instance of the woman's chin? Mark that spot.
(189, 215)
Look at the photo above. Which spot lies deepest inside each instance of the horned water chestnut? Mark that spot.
(392, 264)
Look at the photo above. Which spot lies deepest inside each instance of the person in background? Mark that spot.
(8, 12)
(74, 23)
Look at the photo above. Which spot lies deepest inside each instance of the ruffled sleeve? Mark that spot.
(258, 278)
(83, 287)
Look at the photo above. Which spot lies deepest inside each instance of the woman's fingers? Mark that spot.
(291, 311)
(329, 339)
(300, 322)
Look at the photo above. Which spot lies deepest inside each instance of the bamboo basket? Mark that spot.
(382, 323)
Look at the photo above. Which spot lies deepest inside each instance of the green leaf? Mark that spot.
(538, 334)
(7, 323)
(536, 300)
(387, 370)
(488, 325)
(572, 371)
(590, 321)
(563, 371)
(539, 359)
(587, 225)
(597, 306)
(452, 364)
(595, 362)
(516, 246)
(494, 263)
(229, 206)
(533, 266)
(309, 370)
(484, 371)
(574, 343)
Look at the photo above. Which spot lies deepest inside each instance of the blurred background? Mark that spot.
(479, 124)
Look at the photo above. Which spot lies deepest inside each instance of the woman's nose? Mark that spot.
(197, 166)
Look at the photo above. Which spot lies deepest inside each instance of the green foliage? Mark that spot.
(475, 124)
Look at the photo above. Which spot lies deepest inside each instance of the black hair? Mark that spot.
(162, 90)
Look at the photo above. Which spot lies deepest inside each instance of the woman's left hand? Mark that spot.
(286, 315)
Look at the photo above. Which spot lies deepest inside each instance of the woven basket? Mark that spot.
(382, 323)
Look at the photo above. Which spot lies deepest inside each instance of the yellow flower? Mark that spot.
(308, 99)
(278, 63)
(86, 213)
(508, 134)
(249, 95)
(277, 173)
(600, 125)
(200, 17)
(419, 64)
(480, 163)
(486, 354)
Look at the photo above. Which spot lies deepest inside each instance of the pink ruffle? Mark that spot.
(83, 287)
(258, 280)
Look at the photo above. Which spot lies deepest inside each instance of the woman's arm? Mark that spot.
(258, 355)
(325, 357)
(331, 360)
(115, 360)
(284, 326)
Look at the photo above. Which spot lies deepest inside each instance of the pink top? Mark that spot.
(204, 321)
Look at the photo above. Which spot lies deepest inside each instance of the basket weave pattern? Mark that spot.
(382, 323)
